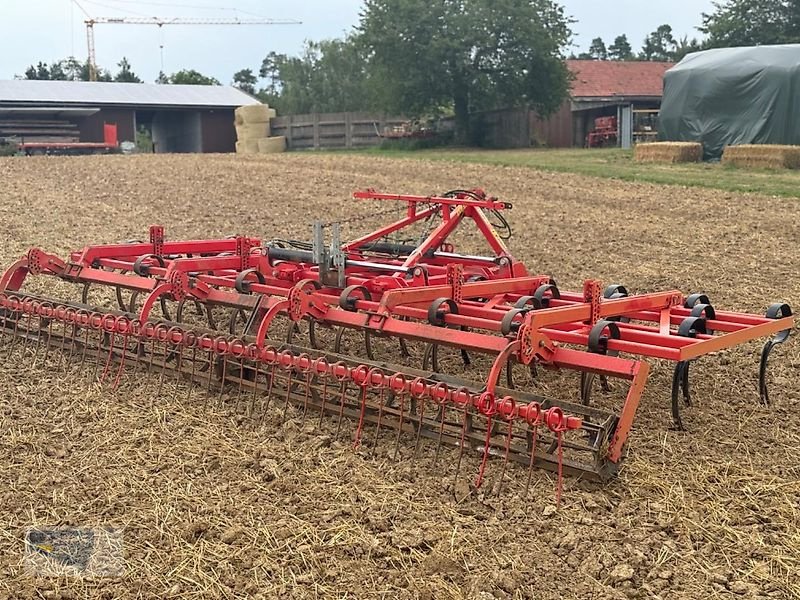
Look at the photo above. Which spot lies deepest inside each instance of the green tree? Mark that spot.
(752, 23)
(621, 49)
(191, 77)
(40, 71)
(466, 55)
(685, 46)
(246, 81)
(659, 45)
(597, 49)
(125, 74)
(329, 76)
(271, 72)
(75, 69)
(68, 69)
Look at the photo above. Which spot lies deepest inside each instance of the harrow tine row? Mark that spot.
(447, 412)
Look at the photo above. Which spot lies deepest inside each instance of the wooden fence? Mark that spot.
(332, 130)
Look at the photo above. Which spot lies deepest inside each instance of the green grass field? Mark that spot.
(618, 164)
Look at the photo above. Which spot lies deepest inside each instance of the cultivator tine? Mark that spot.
(26, 340)
(269, 390)
(250, 403)
(194, 372)
(487, 408)
(16, 332)
(533, 437)
(237, 404)
(85, 347)
(121, 367)
(74, 331)
(339, 370)
(222, 379)
(149, 371)
(289, 370)
(38, 343)
(775, 311)
(420, 402)
(379, 422)
(440, 403)
(560, 477)
(209, 378)
(97, 356)
(178, 365)
(680, 381)
(462, 396)
(306, 370)
(586, 387)
(508, 409)
(366, 373)
(321, 366)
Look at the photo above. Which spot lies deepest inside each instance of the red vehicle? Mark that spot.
(604, 133)
(109, 144)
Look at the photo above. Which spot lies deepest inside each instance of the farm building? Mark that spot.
(180, 118)
(732, 96)
(630, 92)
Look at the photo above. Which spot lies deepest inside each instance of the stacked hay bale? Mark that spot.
(668, 152)
(762, 156)
(253, 130)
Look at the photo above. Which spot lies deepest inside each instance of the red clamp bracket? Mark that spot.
(592, 294)
(244, 245)
(303, 301)
(40, 261)
(455, 279)
(157, 239)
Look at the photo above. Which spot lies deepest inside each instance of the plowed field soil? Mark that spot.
(212, 506)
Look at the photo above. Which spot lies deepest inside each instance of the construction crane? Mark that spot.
(160, 22)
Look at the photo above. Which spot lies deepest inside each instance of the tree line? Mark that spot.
(415, 57)
(660, 45)
(71, 69)
(731, 23)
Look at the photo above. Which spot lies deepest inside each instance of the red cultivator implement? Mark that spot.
(301, 323)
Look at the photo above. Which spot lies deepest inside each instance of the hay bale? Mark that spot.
(762, 156)
(271, 145)
(252, 131)
(254, 113)
(668, 152)
(247, 147)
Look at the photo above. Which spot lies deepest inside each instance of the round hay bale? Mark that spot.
(252, 131)
(272, 145)
(247, 147)
(254, 113)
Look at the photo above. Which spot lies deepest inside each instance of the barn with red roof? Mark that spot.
(629, 91)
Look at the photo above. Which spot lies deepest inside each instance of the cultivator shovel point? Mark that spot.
(254, 322)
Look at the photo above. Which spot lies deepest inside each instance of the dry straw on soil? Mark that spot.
(214, 506)
(668, 152)
(762, 156)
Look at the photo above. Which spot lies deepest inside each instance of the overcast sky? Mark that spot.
(33, 30)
